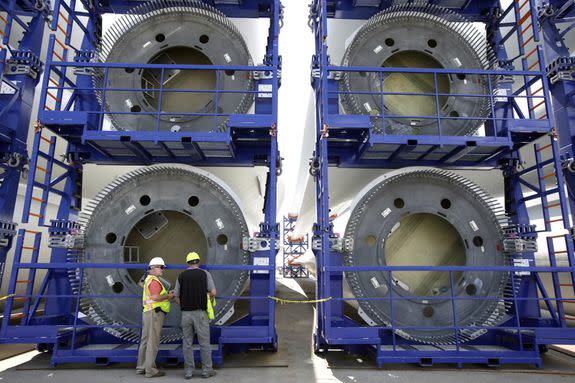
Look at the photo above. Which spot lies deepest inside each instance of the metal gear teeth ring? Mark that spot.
(460, 205)
(165, 32)
(393, 38)
(168, 187)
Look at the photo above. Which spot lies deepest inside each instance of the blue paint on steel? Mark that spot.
(69, 110)
(349, 141)
(20, 70)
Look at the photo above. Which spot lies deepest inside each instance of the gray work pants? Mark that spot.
(196, 322)
(152, 323)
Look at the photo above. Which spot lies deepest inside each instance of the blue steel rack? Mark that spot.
(69, 112)
(556, 19)
(346, 140)
(293, 248)
(21, 29)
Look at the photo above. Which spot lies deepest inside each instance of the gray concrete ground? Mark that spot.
(295, 362)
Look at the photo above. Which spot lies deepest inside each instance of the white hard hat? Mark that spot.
(157, 261)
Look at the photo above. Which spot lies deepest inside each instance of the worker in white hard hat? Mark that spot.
(194, 292)
(156, 304)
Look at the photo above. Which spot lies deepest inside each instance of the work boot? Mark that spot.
(140, 372)
(156, 375)
(189, 375)
(208, 373)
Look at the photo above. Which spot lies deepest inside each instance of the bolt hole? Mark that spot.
(160, 37)
(454, 113)
(461, 76)
(389, 42)
(145, 200)
(193, 201)
(445, 203)
(229, 72)
(136, 109)
(478, 241)
(111, 237)
(362, 74)
(204, 39)
(431, 43)
(398, 203)
(370, 240)
(471, 289)
(222, 239)
(118, 287)
(129, 70)
(428, 311)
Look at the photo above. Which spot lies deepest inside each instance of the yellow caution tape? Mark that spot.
(7, 296)
(284, 301)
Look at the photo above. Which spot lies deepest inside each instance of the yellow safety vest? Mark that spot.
(210, 308)
(148, 302)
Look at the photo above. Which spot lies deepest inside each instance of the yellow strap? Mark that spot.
(7, 296)
(284, 301)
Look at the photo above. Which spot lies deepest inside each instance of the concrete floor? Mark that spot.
(295, 362)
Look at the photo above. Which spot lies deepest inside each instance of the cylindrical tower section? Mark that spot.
(427, 218)
(184, 32)
(424, 36)
(159, 211)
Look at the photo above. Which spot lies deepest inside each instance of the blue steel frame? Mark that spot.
(248, 140)
(350, 141)
(293, 248)
(557, 22)
(20, 71)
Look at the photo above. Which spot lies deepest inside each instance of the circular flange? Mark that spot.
(427, 218)
(165, 211)
(418, 36)
(185, 32)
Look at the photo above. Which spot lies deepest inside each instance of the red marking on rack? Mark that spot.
(54, 97)
(24, 281)
(28, 247)
(527, 41)
(538, 90)
(57, 55)
(45, 139)
(542, 117)
(39, 200)
(554, 220)
(539, 104)
(41, 169)
(3, 19)
(53, 81)
(544, 147)
(31, 231)
(532, 65)
(522, 5)
(552, 205)
(549, 175)
(36, 215)
(532, 51)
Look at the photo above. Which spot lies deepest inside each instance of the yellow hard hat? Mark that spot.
(193, 256)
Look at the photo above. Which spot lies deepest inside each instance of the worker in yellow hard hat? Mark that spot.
(156, 305)
(194, 290)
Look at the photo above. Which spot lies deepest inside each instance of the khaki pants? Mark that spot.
(152, 323)
(196, 322)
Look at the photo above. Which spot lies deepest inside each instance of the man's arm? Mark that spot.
(155, 290)
(211, 285)
(177, 291)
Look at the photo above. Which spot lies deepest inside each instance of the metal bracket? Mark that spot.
(15, 160)
(341, 245)
(67, 241)
(332, 75)
(257, 244)
(520, 239)
(265, 75)
(7, 232)
(65, 235)
(24, 63)
(561, 69)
